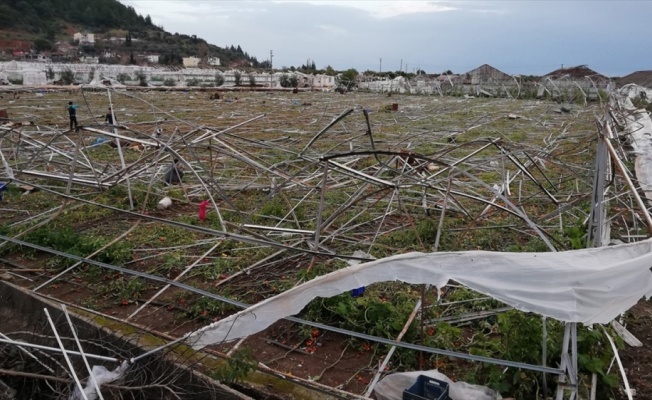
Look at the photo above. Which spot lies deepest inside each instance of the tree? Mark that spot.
(122, 78)
(132, 60)
(252, 80)
(284, 80)
(41, 44)
(49, 73)
(148, 20)
(330, 71)
(289, 80)
(219, 79)
(348, 78)
(142, 78)
(128, 39)
(67, 77)
(238, 78)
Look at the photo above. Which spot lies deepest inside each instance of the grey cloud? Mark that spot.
(528, 37)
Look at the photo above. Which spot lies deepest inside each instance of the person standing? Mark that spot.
(111, 120)
(109, 117)
(72, 112)
(174, 173)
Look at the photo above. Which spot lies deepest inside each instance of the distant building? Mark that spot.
(319, 81)
(89, 60)
(43, 58)
(152, 58)
(484, 74)
(214, 61)
(84, 39)
(191, 62)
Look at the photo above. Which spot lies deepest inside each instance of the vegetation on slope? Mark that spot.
(40, 23)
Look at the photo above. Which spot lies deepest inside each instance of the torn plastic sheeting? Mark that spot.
(102, 376)
(587, 286)
(639, 127)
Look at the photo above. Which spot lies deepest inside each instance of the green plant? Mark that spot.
(237, 367)
(219, 79)
(252, 80)
(49, 73)
(142, 78)
(67, 77)
(169, 82)
(192, 82)
(289, 80)
(122, 78)
(210, 308)
(575, 237)
(125, 289)
(348, 78)
(67, 240)
(238, 78)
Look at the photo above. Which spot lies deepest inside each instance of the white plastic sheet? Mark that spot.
(587, 286)
(639, 130)
(102, 376)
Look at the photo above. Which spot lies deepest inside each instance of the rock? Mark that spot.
(6, 277)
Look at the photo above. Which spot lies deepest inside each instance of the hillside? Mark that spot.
(121, 35)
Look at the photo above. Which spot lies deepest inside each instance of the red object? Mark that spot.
(202, 210)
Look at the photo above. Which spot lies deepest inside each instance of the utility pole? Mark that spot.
(380, 69)
(271, 71)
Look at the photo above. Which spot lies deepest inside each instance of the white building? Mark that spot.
(89, 60)
(319, 81)
(84, 38)
(214, 61)
(191, 62)
(152, 58)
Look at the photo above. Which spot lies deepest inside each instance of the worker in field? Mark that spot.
(72, 113)
(174, 173)
(110, 118)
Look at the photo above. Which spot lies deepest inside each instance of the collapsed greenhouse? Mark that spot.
(311, 244)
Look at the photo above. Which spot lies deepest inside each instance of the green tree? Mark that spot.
(122, 78)
(42, 44)
(238, 78)
(219, 79)
(348, 78)
(8, 17)
(49, 73)
(142, 78)
(67, 77)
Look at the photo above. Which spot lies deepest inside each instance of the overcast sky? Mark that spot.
(517, 37)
